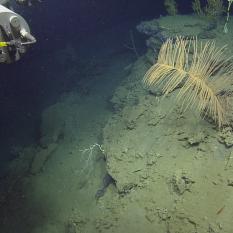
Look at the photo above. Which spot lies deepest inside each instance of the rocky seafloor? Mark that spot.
(172, 170)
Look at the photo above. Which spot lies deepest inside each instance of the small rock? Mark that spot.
(151, 161)
(180, 182)
(131, 125)
(196, 139)
(230, 182)
(226, 137)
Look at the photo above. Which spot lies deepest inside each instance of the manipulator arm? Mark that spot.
(15, 36)
(27, 2)
(7, 3)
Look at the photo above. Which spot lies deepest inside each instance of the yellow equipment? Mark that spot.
(3, 44)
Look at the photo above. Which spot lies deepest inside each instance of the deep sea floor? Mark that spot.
(110, 155)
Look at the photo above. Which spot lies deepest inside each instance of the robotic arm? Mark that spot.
(27, 2)
(15, 36)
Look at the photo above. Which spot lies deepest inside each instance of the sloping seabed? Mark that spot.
(172, 170)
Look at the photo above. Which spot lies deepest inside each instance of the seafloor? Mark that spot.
(172, 171)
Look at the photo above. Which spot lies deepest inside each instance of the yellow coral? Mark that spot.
(171, 7)
(225, 30)
(214, 8)
(196, 5)
(203, 78)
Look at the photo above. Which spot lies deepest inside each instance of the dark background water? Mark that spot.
(27, 85)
